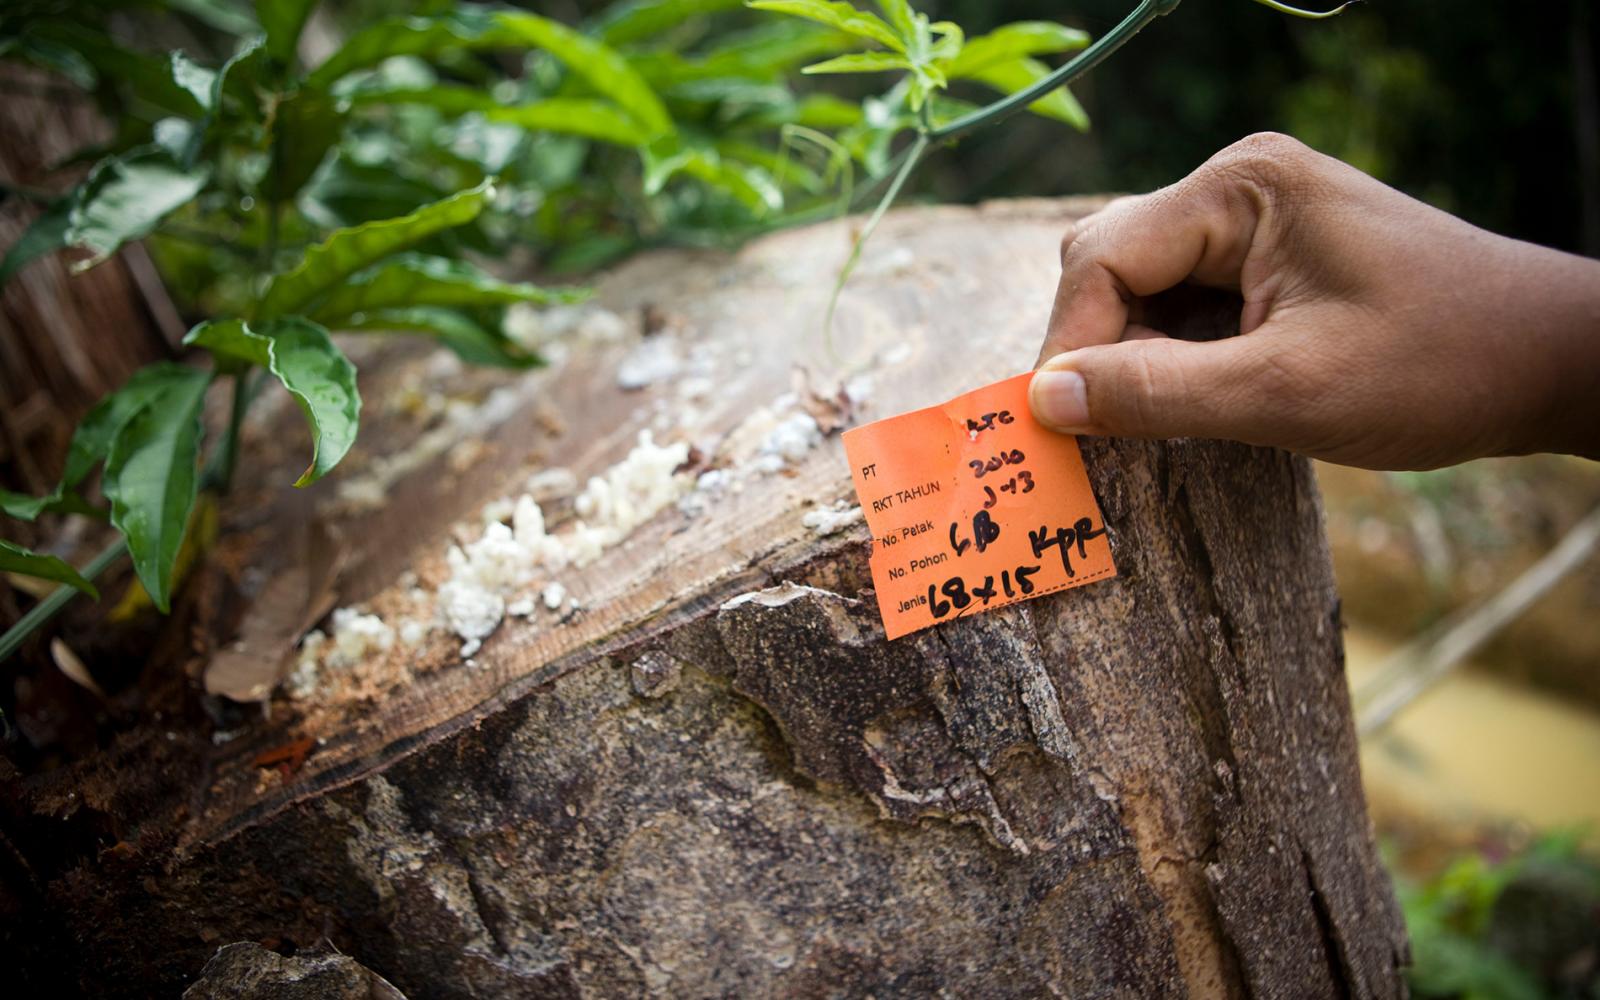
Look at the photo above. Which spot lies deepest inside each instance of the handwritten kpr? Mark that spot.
(972, 506)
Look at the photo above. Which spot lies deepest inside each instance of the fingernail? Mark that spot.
(1059, 400)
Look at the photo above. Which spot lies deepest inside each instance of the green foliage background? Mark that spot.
(1472, 105)
(1506, 925)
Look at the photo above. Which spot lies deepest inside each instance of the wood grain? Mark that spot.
(1147, 787)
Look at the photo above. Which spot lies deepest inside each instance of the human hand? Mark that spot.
(1375, 330)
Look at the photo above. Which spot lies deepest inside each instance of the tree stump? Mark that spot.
(718, 779)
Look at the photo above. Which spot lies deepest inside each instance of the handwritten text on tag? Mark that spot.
(973, 505)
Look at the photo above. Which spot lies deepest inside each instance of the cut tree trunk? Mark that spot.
(1145, 787)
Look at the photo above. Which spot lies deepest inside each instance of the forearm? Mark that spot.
(1561, 306)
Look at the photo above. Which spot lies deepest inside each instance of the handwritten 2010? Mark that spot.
(985, 530)
(973, 506)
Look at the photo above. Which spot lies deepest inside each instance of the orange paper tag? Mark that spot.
(973, 505)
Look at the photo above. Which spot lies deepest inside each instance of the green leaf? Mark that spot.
(452, 99)
(151, 478)
(471, 342)
(193, 79)
(1014, 41)
(233, 343)
(147, 78)
(92, 440)
(919, 39)
(47, 233)
(348, 193)
(765, 53)
(900, 16)
(27, 508)
(750, 185)
(605, 69)
(347, 251)
(418, 280)
(587, 254)
(951, 40)
(323, 381)
(574, 116)
(177, 136)
(125, 198)
(943, 108)
(317, 374)
(226, 17)
(237, 78)
(475, 147)
(642, 20)
(836, 14)
(304, 128)
(733, 94)
(463, 28)
(16, 559)
(818, 111)
(470, 27)
(583, 116)
(860, 62)
(923, 54)
(826, 111)
(1021, 73)
(661, 167)
(283, 20)
(23, 507)
(780, 167)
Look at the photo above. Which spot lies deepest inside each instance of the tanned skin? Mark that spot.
(1375, 331)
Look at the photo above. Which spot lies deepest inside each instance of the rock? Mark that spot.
(247, 971)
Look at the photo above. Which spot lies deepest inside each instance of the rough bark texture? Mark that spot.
(65, 340)
(246, 969)
(721, 781)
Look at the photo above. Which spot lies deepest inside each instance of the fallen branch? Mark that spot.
(1422, 663)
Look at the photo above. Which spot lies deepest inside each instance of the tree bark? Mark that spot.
(719, 779)
(65, 339)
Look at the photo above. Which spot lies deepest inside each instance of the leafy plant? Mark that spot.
(1522, 927)
(225, 160)
(935, 53)
(283, 203)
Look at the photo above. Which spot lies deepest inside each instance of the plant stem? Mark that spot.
(1425, 661)
(820, 213)
(1089, 58)
(230, 444)
(218, 474)
(269, 251)
(47, 609)
(1310, 15)
(913, 157)
(1083, 62)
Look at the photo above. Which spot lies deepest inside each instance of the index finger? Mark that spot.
(1200, 230)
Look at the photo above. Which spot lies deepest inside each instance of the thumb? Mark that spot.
(1159, 387)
